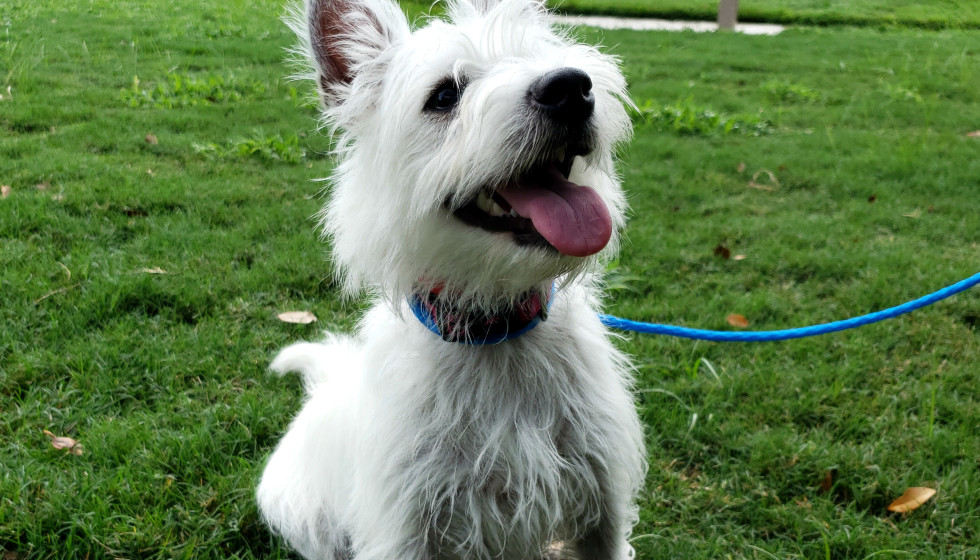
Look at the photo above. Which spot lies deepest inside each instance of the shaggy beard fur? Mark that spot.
(410, 447)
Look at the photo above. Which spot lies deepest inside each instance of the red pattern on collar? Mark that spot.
(477, 326)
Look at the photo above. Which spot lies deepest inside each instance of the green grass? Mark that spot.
(934, 14)
(869, 199)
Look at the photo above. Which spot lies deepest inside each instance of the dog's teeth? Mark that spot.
(485, 203)
(497, 210)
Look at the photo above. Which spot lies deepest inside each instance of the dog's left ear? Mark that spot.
(344, 34)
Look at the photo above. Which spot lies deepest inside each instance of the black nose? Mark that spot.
(564, 94)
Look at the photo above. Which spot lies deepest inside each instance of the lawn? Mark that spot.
(936, 14)
(158, 218)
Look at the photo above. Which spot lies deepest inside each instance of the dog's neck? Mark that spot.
(454, 322)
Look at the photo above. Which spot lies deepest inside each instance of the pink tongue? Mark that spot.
(571, 217)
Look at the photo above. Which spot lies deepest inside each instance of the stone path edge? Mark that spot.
(649, 24)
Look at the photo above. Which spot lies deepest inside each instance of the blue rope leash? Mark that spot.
(786, 334)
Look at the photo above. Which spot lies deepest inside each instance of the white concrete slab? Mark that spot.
(648, 24)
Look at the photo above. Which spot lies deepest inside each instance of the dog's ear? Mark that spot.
(346, 33)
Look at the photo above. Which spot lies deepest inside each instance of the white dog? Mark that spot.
(480, 411)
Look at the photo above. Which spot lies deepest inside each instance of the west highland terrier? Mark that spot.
(480, 411)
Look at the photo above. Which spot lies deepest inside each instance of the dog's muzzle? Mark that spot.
(541, 207)
(564, 95)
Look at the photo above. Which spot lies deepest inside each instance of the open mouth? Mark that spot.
(543, 208)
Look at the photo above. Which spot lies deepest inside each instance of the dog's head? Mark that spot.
(475, 152)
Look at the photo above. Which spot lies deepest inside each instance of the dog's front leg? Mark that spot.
(604, 543)
(607, 540)
(402, 551)
(392, 534)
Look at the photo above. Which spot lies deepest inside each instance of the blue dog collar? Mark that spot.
(478, 328)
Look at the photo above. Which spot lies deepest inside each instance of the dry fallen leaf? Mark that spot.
(154, 270)
(4, 191)
(151, 139)
(828, 481)
(300, 317)
(741, 167)
(872, 198)
(974, 134)
(739, 258)
(737, 320)
(64, 442)
(911, 499)
(723, 252)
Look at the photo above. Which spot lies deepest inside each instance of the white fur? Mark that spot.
(409, 447)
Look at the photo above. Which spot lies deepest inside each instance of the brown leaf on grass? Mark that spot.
(4, 191)
(873, 198)
(974, 134)
(911, 499)
(64, 442)
(739, 258)
(11, 555)
(299, 317)
(741, 167)
(723, 252)
(828, 481)
(737, 320)
(154, 270)
(151, 139)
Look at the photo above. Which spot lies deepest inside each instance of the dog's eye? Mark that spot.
(445, 97)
